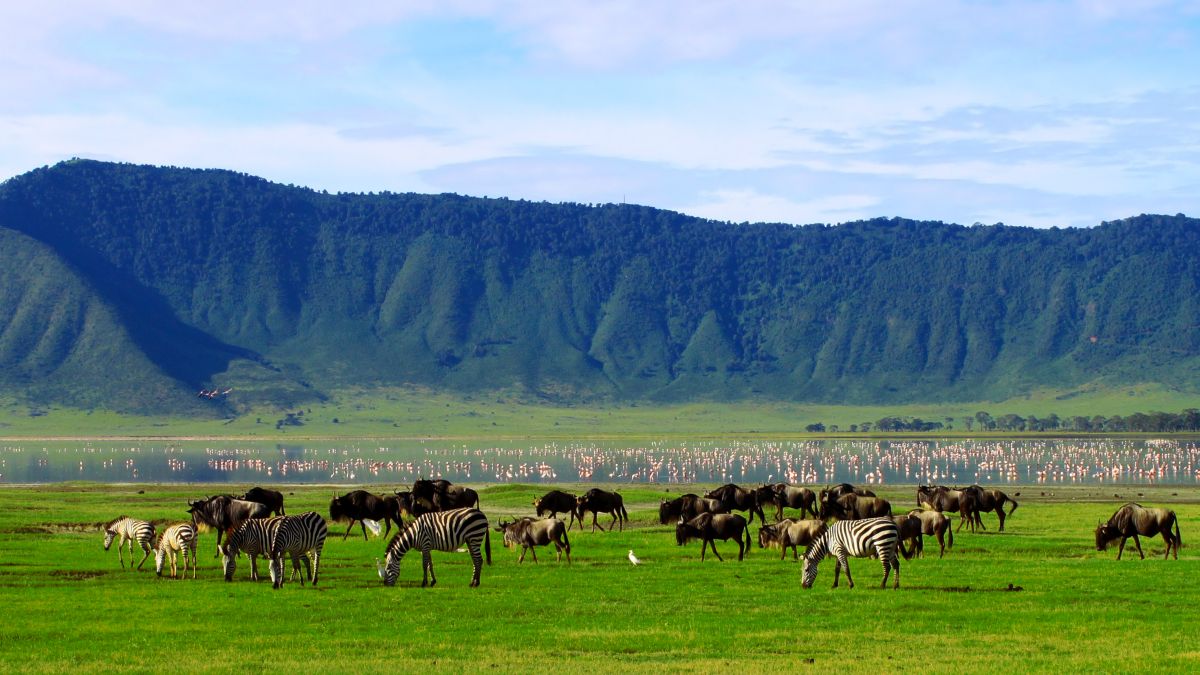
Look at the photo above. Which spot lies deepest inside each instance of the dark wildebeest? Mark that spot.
(555, 502)
(600, 501)
(920, 522)
(444, 495)
(709, 527)
(269, 498)
(528, 533)
(850, 506)
(793, 533)
(945, 500)
(224, 513)
(789, 496)
(1132, 520)
(735, 498)
(361, 505)
(986, 500)
(407, 505)
(687, 507)
(836, 491)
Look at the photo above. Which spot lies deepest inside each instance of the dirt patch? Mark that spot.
(76, 575)
(56, 528)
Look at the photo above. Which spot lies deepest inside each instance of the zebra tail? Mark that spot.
(487, 545)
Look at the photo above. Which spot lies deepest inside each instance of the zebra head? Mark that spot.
(229, 554)
(277, 576)
(391, 569)
(160, 556)
(810, 571)
(109, 535)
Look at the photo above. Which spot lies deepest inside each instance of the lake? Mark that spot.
(1053, 461)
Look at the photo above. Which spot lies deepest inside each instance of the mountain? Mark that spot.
(131, 287)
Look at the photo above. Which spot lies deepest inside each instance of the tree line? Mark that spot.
(1148, 422)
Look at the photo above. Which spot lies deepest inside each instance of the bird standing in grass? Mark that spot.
(633, 558)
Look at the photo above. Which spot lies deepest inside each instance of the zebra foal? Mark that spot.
(177, 539)
(441, 531)
(130, 530)
(871, 537)
(297, 536)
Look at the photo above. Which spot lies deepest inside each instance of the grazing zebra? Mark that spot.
(870, 537)
(179, 538)
(130, 530)
(442, 531)
(297, 536)
(253, 538)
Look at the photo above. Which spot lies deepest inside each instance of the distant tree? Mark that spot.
(815, 428)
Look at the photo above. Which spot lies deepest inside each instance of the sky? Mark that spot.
(1028, 113)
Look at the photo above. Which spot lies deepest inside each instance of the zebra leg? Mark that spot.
(477, 561)
(316, 564)
(121, 553)
(146, 556)
(837, 570)
(253, 567)
(845, 561)
(426, 566)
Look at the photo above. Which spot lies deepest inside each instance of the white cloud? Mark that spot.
(747, 204)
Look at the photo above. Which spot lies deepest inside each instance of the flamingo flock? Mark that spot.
(870, 462)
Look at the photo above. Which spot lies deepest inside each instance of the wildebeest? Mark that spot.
(601, 501)
(444, 495)
(407, 505)
(793, 533)
(708, 527)
(851, 506)
(783, 495)
(687, 507)
(269, 498)
(989, 499)
(943, 499)
(360, 505)
(529, 532)
(555, 502)
(920, 522)
(735, 498)
(1133, 520)
(224, 513)
(836, 491)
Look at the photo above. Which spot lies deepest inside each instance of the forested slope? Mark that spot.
(191, 278)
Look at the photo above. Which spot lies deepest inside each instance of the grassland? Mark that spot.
(71, 607)
(405, 413)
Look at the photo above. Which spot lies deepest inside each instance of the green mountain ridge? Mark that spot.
(130, 287)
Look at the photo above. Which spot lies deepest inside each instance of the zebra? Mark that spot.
(130, 530)
(297, 536)
(870, 537)
(253, 538)
(179, 538)
(442, 531)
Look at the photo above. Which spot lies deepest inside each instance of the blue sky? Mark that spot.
(1028, 113)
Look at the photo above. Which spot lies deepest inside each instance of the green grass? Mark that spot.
(71, 606)
(403, 413)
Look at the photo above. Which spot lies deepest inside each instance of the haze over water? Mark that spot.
(871, 462)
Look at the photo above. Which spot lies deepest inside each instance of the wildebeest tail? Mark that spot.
(624, 513)
(1014, 503)
(950, 536)
(1178, 537)
(747, 532)
(487, 545)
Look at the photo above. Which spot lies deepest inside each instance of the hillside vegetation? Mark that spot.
(129, 287)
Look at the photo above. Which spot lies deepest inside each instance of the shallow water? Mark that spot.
(1058, 461)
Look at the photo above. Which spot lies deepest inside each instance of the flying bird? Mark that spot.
(633, 558)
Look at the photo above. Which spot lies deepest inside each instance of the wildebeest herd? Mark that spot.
(841, 521)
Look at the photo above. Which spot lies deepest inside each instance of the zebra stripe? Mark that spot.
(870, 537)
(297, 536)
(130, 530)
(179, 538)
(440, 531)
(253, 537)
